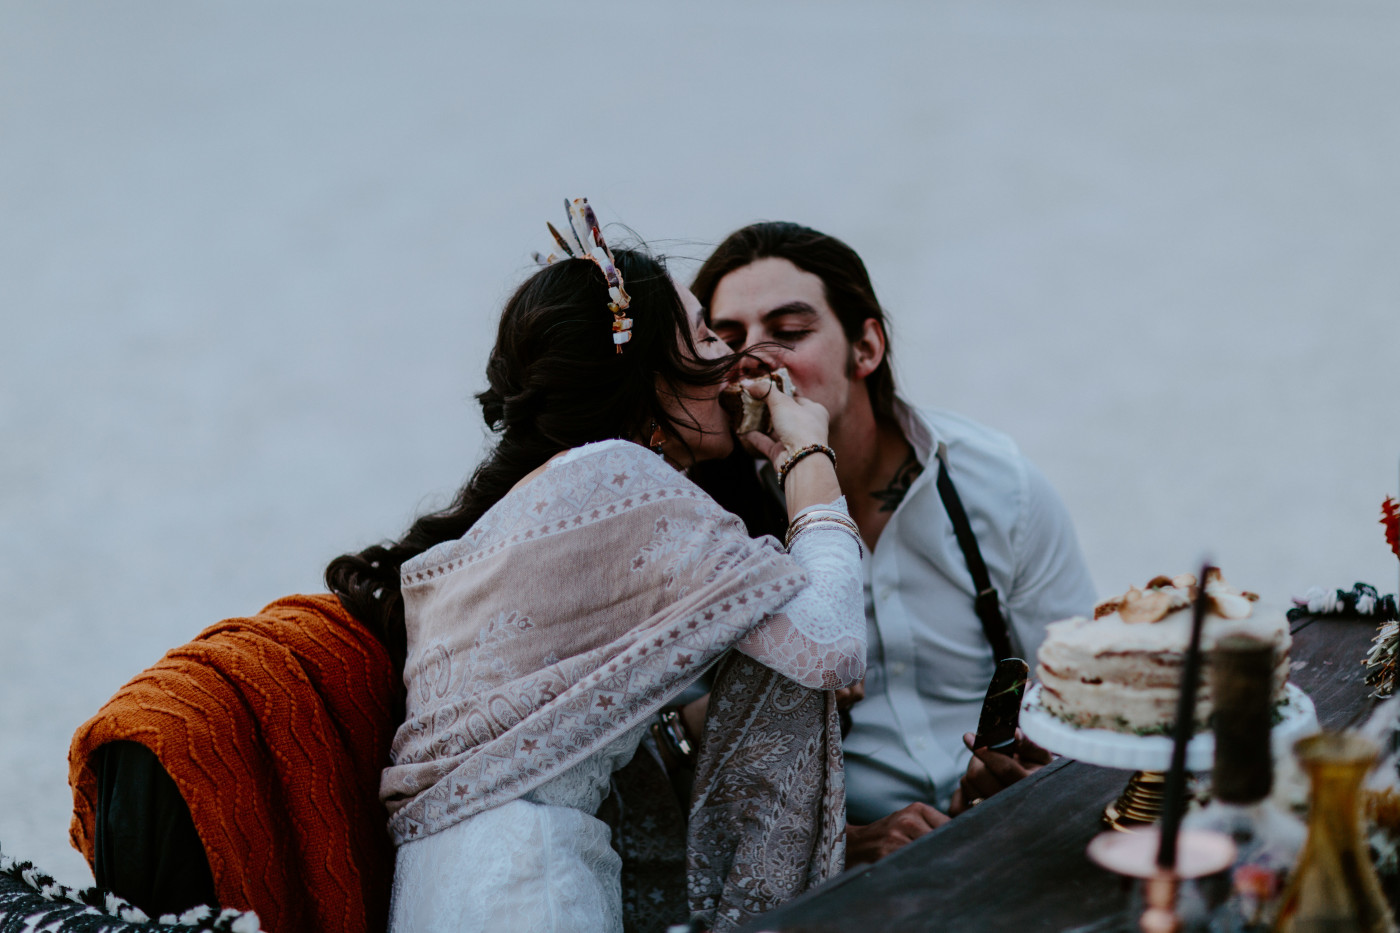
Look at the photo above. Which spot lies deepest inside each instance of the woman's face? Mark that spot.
(700, 421)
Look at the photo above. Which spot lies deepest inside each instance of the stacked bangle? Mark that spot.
(813, 517)
(797, 455)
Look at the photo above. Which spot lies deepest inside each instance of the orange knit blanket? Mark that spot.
(275, 729)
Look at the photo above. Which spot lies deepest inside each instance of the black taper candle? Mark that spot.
(1174, 793)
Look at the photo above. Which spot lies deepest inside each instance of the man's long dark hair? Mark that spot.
(733, 482)
(847, 284)
(554, 382)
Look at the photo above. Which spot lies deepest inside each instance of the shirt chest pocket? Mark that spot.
(954, 664)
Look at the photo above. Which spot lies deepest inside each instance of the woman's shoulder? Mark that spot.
(614, 445)
(595, 482)
(613, 470)
(599, 455)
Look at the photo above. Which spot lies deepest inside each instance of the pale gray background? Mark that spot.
(250, 258)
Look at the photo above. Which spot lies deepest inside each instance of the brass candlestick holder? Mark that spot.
(1134, 855)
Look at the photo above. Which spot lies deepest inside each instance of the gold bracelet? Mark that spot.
(835, 518)
(854, 535)
(797, 455)
(821, 511)
(807, 519)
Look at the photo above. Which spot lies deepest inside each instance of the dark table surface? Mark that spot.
(1017, 861)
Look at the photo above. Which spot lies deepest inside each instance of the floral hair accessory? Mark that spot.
(574, 242)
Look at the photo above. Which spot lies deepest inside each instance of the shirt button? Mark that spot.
(885, 592)
(897, 668)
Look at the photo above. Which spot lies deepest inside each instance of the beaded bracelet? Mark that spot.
(798, 454)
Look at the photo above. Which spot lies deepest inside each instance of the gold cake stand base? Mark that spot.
(1139, 805)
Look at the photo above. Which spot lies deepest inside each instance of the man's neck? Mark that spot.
(876, 467)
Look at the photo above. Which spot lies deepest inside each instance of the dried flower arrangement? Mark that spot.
(1380, 661)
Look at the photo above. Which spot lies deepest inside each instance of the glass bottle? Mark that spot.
(1267, 837)
(1334, 886)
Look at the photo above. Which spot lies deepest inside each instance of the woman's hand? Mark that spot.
(797, 422)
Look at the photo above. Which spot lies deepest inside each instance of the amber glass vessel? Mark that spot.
(1334, 887)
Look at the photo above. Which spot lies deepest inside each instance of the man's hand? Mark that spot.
(693, 715)
(869, 844)
(847, 697)
(992, 771)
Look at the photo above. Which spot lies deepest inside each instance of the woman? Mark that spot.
(577, 585)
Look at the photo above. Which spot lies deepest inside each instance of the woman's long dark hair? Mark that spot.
(554, 382)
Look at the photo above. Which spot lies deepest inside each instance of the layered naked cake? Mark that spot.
(1121, 670)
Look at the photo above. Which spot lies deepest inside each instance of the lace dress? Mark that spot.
(543, 861)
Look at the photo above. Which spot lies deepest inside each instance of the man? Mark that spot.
(802, 300)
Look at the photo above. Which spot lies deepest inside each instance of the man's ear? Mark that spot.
(869, 350)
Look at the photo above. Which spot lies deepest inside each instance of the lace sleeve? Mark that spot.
(818, 637)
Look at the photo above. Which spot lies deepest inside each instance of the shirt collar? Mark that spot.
(917, 431)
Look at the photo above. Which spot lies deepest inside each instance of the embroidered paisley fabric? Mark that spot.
(542, 643)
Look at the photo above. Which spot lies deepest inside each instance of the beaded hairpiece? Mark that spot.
(583, 225)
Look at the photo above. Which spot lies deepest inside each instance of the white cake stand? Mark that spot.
(1149, 755)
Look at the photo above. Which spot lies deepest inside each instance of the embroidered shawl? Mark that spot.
(574, 610)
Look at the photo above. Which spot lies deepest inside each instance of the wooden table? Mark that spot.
(1017, 861)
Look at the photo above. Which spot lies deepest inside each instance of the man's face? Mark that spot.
(773, 300)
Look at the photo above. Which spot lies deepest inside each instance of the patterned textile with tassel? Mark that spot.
(31, 900)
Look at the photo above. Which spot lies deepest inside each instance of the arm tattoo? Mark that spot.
(892, 495)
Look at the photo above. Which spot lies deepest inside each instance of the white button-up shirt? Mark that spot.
(928, 662)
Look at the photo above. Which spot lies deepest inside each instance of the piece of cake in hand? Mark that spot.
(1121, 670)
(750, 413)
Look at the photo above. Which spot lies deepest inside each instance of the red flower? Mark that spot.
(1390, 518)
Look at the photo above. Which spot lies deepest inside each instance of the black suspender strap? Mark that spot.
(987, 604)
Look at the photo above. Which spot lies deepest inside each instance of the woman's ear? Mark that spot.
(868, 350)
